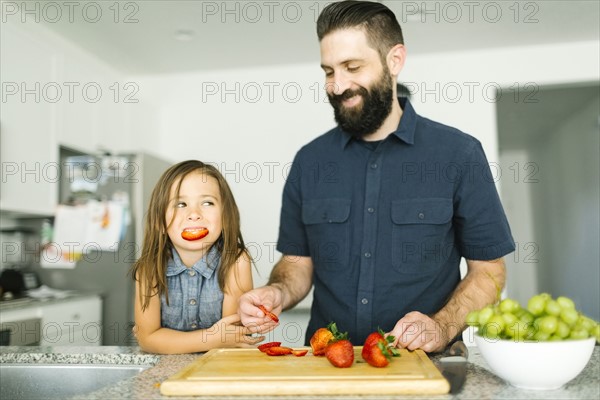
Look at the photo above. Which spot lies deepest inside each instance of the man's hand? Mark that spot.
(251, 316)
(419, 331)
(481, 286)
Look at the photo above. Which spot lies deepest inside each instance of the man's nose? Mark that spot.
(338, 84)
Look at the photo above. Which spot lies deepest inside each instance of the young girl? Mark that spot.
(194, 265)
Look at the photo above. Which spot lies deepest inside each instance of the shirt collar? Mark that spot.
(405, 130)
(205, 266)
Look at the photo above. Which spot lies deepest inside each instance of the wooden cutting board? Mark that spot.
(248, 372)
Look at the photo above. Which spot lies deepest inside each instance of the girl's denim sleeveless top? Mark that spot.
(195, 299)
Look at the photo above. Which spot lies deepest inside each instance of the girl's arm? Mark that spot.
(154, 339)
(238, 282)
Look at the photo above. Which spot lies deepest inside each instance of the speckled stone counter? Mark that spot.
(480, 383)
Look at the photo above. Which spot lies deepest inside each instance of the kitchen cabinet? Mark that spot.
(72, 323)
(53, 94)
(28, 150)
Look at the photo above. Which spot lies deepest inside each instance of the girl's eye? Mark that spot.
(180, 204)
(208, 203)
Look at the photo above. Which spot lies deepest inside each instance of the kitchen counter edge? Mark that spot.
(480, 383)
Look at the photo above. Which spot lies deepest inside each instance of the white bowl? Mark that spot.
(536, 365)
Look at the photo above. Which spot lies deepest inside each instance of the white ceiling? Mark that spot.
(239, 34)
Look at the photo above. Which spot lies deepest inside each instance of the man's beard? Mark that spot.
(364, 119)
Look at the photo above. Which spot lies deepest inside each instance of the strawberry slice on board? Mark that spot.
(263, 347)
(300, 353)
(278, 351)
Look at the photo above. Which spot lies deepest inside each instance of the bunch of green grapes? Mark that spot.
(544, 319)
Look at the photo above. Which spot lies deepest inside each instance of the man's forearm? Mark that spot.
(293, 276)
(480, 287)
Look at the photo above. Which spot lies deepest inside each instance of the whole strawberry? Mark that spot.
(340, 353)
(377, 350)
(321, 338)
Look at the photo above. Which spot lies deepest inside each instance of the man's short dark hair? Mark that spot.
(379, 23)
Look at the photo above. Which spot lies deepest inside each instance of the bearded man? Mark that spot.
(378, 212)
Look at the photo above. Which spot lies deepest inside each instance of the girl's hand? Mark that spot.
(228, 332)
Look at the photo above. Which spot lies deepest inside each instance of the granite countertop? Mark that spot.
(480, 383)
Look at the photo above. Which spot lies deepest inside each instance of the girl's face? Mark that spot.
(191, 213)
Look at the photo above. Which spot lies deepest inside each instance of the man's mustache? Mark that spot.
(348, 93)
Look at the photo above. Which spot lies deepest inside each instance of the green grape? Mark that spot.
(537, 304)
(565, 302)
(472, 318)
(544, 319)
(541, 336)
(495, 325)
(562, 330)
(584, 323)
(527, 317)
(569, 316)
(518, 330)
(596, 332)
(548, 324)
(484, 315)
(553, 308)
(509, 318)
(579, 334)
(509, 306)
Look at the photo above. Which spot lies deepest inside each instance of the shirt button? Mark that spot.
(364, 301)
(368, 255)
(193, 302)
(194, 326)
(374, 166)
(191, 272)
(421, 216)
(371, 210)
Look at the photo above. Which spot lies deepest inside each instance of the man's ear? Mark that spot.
(395, 59)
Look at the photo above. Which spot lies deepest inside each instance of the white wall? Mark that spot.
(220, 117)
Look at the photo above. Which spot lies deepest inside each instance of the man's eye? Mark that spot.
(353, 68)
(328, 73)
(180, 204)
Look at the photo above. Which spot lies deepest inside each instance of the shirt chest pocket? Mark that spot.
(422, 234)
(327, 228)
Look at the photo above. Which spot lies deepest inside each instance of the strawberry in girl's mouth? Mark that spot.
(192, 234)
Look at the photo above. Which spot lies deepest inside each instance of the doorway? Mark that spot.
(549, 153)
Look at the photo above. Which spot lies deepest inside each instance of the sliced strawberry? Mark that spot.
(194, 233)
(269, 314)
(299, 353)
(278, 351)
(263, 347)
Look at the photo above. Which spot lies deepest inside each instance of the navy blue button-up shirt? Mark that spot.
(386, 224)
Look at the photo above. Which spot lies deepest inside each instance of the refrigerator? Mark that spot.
(131, 178)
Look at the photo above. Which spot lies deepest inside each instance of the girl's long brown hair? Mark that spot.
(150, 269)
